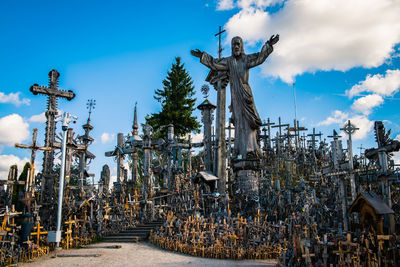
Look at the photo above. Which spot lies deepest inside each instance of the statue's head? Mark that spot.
(237, 46)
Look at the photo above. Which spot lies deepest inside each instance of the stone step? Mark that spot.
(131, 234)
(119, 240)
(139, 233)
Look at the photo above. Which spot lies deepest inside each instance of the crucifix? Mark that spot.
(53, 93)
(33, 147)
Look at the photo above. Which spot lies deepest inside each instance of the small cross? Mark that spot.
(38, 232)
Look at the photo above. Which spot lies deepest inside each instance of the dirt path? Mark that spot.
(132, 254)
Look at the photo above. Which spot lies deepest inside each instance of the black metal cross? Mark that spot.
(219, 41)
(53, 93)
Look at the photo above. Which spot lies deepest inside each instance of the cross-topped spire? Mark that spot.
(91, 104)
(219, 41)
(135, 126)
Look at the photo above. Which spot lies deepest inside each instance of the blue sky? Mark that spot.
(343, 58)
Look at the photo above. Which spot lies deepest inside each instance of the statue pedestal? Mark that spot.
(247, 176)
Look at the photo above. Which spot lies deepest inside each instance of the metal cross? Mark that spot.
(349, 128)
(219, 41)
(53, 93)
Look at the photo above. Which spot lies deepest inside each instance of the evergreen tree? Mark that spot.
(177, 103)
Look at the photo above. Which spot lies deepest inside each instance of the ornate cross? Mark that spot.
(53, 93)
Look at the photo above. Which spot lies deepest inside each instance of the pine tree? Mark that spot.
(177, 103)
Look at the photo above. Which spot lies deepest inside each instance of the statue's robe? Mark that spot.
(244, 113)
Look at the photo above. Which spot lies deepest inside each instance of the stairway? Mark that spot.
(139, 233)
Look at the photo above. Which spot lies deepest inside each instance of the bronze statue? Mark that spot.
(244, 113)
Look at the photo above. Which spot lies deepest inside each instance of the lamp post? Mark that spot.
(66, 119)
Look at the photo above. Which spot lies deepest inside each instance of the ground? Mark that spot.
(132, 254)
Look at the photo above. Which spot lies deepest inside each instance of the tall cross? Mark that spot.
(350, 129)
(219, 41)
(280, 126)
(268, 124)
(53, 93)
(313, 135)
(33, 147)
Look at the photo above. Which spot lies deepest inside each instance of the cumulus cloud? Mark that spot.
(38, 118)
(383, 85)
(365, 104)
(225, 5)
(363, 123)
(13, 129)
(14, 98)
(320, 35)
(6, 161)
(106, 137)
(337, 117)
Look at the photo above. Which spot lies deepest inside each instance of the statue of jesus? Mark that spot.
(244, 113)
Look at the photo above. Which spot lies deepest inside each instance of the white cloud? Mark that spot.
(13, 98)
(365, 104)
(38, 118)
(257, 3)
(363, 123)
(320, 35)
(106, 137)
(244, 4)
(337, 117)
(13, 129)
(225, 5)
(6, 161)
(384, 85)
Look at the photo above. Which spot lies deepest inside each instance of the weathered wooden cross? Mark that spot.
(33, 147)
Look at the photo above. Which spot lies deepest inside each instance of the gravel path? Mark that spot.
(132, 254)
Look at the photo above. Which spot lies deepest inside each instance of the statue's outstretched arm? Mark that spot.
(209, 61)
(259, 58)
(196, 53)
